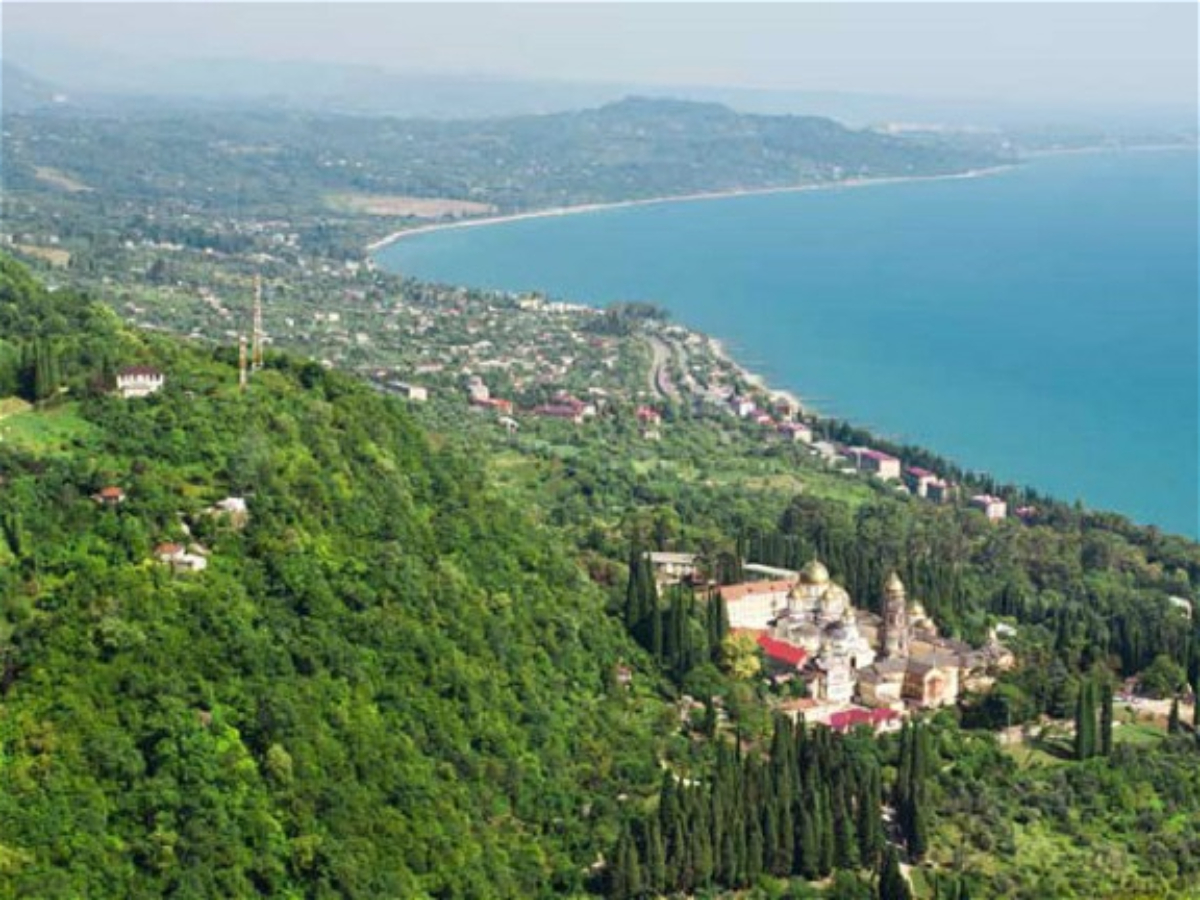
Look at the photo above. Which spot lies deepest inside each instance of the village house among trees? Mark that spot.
(139, 381)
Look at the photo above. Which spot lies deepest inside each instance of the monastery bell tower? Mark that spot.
(896, 632)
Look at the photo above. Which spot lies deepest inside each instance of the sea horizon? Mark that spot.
(872, 291)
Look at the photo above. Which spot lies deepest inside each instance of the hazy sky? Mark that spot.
(1041, 52)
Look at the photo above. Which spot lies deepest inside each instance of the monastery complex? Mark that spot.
(883, 666)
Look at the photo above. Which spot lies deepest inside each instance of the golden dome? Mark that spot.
(814, 573)
(893, 584)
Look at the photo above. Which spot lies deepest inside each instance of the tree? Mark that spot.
(740, 656)
(1106, 719)
(1085, 721)
(1162, 678)
(1174, 726)
(892, 883)
(625, 875)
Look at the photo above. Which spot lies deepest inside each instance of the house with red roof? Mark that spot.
(109, 496)
(876, 462)
(992, 507)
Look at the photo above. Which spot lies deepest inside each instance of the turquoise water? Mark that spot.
(1039, 324)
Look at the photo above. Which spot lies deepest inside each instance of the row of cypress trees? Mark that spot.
(1091, 740)
(812, 805)
(677, 636)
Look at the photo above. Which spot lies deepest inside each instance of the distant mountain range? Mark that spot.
(635, 148)
(95, 80)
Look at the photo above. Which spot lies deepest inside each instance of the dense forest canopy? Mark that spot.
(226, 162)
(390, 682)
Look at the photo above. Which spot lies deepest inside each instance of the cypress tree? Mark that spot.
(754, 853)
(633, 588)
(702, 858)
(892, 883)
(785, 840)
(1106, 719)
(625, 878)
(1085, 722)
(726, 867)
(807, 856)
(1174, 726)
(825, 835)
(845, 840)
(656, 858)
(869, 823)
(656, 632)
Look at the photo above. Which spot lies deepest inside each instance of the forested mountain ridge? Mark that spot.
(632, 149)
(389, 683)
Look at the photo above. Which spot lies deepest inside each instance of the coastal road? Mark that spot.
(660, 376)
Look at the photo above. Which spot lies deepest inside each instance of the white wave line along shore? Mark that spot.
(680, 198)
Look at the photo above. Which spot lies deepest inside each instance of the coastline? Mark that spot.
(756, 381)
(679, 198)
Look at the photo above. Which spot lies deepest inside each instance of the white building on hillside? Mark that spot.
(139, 381)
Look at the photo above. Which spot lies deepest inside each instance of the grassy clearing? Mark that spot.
(58, 179)
(45, 433)
(407, 207)
(10, 406)
(55, 256)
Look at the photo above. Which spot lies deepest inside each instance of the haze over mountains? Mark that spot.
(35, 70)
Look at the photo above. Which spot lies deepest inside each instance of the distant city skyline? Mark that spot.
(1031, 53)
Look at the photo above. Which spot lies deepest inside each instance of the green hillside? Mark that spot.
(388, 683)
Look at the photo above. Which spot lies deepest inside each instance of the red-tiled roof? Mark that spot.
(557, 411)
(878, 455)
(851, 718)
(781, 651)
(111, 493)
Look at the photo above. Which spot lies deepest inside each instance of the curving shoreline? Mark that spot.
(677, 198)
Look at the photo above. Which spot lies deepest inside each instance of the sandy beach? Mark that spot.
(680, 198)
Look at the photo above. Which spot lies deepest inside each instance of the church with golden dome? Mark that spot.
(892, 660)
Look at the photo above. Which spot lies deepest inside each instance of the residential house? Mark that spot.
(139, 381)
(672, 568)
(992, 507)
(412, 392)
(797, 432)
(876, 462)
(109, 496)
(741, 406)
(232, 508)
(559, 411)
(182, 559)
(918, 480)
(648, 421)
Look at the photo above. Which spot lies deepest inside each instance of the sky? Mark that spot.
(1075, 52)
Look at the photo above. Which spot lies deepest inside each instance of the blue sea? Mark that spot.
(1039, 323)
